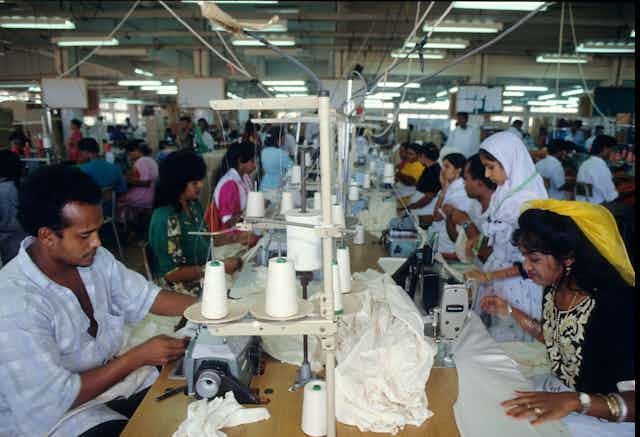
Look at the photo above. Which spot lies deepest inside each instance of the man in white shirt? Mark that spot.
(551, 170)
(464, 138)
(516, 128)
(599, 130)
(290, 143)
(595, 171)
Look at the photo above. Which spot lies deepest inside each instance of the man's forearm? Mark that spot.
(424, 200)
(170, 303)
(452, 231)
(405, 179)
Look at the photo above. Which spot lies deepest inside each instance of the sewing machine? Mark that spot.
(213, 365)
(401, 239)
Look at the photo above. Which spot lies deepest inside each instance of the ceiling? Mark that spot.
(331, 37)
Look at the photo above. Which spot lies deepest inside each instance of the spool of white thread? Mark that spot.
(366, 181)
(389, 170)
(255, 204)
(334, 199)
(337, 290)
(296, 174)
(314, 408)
(359, 236)
(372, 166)
(317, 201)
(287, 202)
(214, 291)
(307, 159)
(354, 193)
(344, 268)
(304, 246)
(281, 297)
(337, 215)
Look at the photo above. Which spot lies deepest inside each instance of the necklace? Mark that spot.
(556, 328)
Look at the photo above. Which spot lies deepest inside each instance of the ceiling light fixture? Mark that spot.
(289, 88)
(283, 82)
(397, 85)
(464, 27)
(54, 23)
(547, 96)
(246, 42)
(507, 102)
(512, 109)
(499, 6)
(441, 44)
(71, 41)
(257, 25)
(526, 88)
(442, 93)
(562, 59)
(143, 72)
(453, 90)
(632, 34)
(606, 47)
(159, 88)
(421, 99)
(513, 94)
(139, 82)
(573, 92)
(433, 54)
(16, 85)
(167, 92)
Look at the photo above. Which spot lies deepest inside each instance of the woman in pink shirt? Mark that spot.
(234, 182)
(141, 181)
(76, 135)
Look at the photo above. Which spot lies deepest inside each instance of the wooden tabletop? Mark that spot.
(161, 418)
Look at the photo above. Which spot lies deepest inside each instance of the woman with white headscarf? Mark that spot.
(508, 164)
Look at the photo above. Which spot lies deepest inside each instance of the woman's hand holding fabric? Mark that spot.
(494, 305)
(477, 275)
(543, 406)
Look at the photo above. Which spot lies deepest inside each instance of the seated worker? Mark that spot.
(64, 302)
(479, 188)
(551, 170)
(203, 138)
(234, 183)
(452, 194)
(141, 180)
(274, 161)
(178, 258)
(423, 200)
(588, 323)
(103, 173)
(11, 232)
(408, 175)
(596, 172)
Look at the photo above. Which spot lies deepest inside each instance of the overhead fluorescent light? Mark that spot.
(421, 99)
(573, 92)
(167, 92)
(384, 95)
(513, 93)
(158, 87)
(547, 96)
(289, 88)
(526, 88)
(562, 59)
(143, 72)
(35, 89)
(250, 42)
(512, 109)
(507, 102)
(463, 27)
(433, 54)
(139, 82)
(378, 105)
(606, 47)
(282, 95)
(442, 93)
(500, 5)
(54, 23)
(439, 105)
(453, 90)
(232, 96)
(442, 44)
(397, 85)
(258, 25)
(539, 103)
(72, 41)
(553, 109)
(117, 51)
(632, 34)
(121, 100)
(283, 82)
(16, 85)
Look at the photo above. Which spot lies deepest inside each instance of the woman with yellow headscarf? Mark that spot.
(574, 250)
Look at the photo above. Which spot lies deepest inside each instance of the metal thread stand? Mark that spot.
(304, 372)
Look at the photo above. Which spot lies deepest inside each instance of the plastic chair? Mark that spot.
(109, 201)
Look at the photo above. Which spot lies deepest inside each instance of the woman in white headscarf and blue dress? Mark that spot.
(508, 164)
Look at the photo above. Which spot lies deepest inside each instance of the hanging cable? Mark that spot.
(108, 37)
(560, 36)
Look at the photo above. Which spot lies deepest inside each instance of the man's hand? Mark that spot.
(232, 264)
(159, 350)
(248, 239)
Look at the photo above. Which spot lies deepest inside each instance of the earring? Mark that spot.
(567, 271)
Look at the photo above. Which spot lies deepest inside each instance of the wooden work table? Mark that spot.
(161, 418)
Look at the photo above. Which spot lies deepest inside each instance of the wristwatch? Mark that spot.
(466, 225)
(585, 401)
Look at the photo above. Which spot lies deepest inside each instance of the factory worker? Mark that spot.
(464, 138)
(362, 145)
(177, 257)
(479, 188)
(596, 172)
(409, 173)
(204, 140)
(551, 170)
(588, 323)
(64, 302)
(289, 143)
(508, 164)
(234, 183)
(274, 161)
(599, 130)
(451, 193)
(516, 128)
(424, 199)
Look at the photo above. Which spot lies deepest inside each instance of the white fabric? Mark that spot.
(466, 140)
(595, 171)
(404, 190)
(290, 144)
(589, 142)
(378, 214)
(425, 210)
(448, 150)
(551, 168)
(207, 139)
(244, 186)
(502, 220)
(207, 418)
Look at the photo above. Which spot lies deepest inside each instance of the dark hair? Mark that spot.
(241, 152)
(456, 159)
(488, 156)
(462, 114)
(599, 127)
(249, 128)
(76, 122)
(556, 146)
(46, 192)
(517, 122)
(203, 119)
(559, 236)
(476, 170)
(89, 144)
(185, 118)
(176, 171)
(139, 145)
(430, 150)
(414, 146)
(273, 135)
(10, 166)
(602, 142)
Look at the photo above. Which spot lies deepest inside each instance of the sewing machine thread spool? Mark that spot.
(304, 246)
(344, 269)
(255, 204)
(337, 290)
(337, 215)
(366, 181)
(214, 291)
(307, 159)
(389, 170)
(281, 297)
(296, 174)
(354, 193)
(314, 408)
(358, 238)
(317, 200)
(287, 202)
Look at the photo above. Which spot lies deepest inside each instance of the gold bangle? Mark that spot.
(610, 405)
(614, 405)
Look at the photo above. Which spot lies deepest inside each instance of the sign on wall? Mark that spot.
(479, 99)
(197, 92)
(65, 93)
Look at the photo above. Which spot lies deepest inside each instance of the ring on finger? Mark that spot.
(537, 411)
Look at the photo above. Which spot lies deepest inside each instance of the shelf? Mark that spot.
(309, 326)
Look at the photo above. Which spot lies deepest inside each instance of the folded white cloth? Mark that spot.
(206, 418)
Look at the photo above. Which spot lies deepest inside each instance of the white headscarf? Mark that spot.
(523, 182)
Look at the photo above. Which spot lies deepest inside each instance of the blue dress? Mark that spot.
(275, 163)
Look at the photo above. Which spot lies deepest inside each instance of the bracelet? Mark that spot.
(614, 410)
(622, 405)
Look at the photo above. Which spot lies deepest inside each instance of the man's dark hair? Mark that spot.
(139, 145)
(517, 123)
(76, 122)
(89, 145)
(176, 171)
(476, 169)
(10, 166)
(185, 118)
(47, 190)
(430, 150)
(414, 146)
(602, 142)
(556, 146)
(462, 114)
(456, 159)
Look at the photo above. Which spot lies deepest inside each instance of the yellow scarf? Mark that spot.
(599, 226)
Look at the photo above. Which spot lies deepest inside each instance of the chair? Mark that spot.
(147, 259)
(109, 206)
(583, 189)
